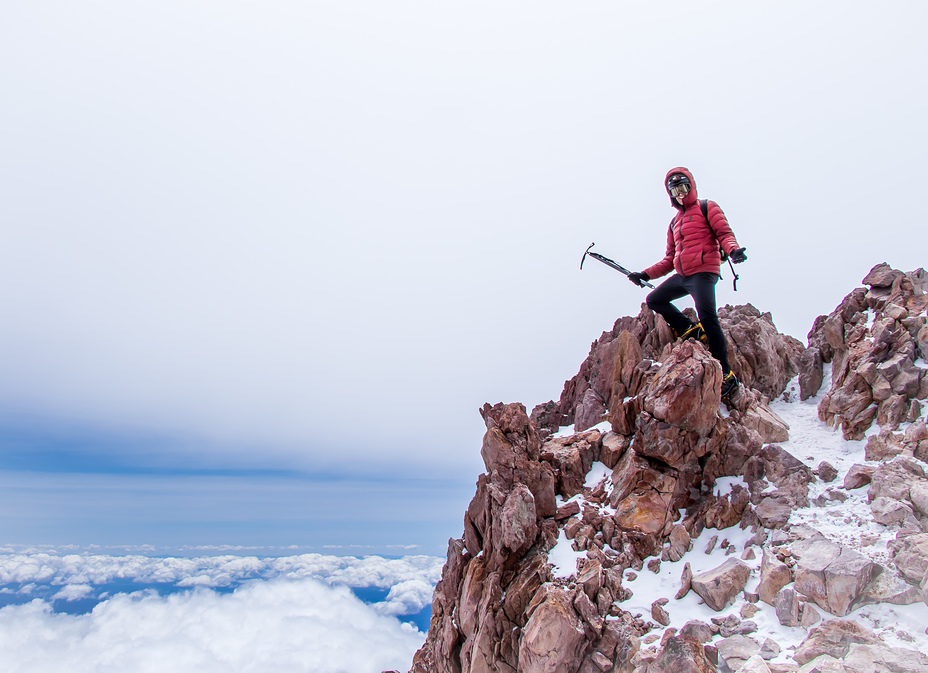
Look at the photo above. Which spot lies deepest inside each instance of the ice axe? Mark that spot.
(607, 262)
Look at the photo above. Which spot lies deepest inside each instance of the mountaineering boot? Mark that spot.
(729, 386)
(695, 332)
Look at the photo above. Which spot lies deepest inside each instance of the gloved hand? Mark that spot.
(737, 255)
(637, 277)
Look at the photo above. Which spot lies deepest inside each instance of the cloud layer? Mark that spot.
(286, 626)
(293, 613)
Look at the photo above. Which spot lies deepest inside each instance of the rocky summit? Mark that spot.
(638, 525)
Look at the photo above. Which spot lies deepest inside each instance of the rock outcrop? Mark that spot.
(562, 522)
(873, 339)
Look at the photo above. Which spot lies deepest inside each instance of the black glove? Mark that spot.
(637, 277)
(737, 255)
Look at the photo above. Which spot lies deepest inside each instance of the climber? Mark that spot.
(695, 243)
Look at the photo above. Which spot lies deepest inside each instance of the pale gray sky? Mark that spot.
(306, 234)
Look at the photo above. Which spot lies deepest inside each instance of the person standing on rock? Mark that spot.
(695, 242)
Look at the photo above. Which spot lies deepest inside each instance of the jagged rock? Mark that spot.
(823, 664)
(880, 658)
(808, 616)
(685, 393)
(831, 575)
(518, 525)
(681, 655)
(614, 446)
(882, 275)
(553, 639)
(889, 587)
(497, 608)
(573, 457)
(768, 426)
(774, 575)
(697, 630)
(873, 378)
(642, 494)
(786, 604)
(719, 586)
(748, 610)
(737, 648)
(811, 373)
(889, 512)
(590, 412)
(769, 649)
(834, 638)
(774, 512)
(679, 543)
(858, 476)
(686, 582)
(883, 445)
(763, 359)
(755, 664)
(895, 480)
(728, 625)
(658, 613)
(912, 557)
(826, 472)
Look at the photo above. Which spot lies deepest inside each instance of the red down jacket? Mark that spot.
(692, 242)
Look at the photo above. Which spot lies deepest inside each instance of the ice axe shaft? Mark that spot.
(607, 262)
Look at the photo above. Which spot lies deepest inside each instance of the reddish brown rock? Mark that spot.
(719, 586)
(833, 638)
(685, 393)
(553, 640)
(774, 575)
(681, 655)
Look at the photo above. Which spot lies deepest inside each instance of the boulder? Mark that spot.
(737, 648)
(858, 477)
(685, 393)
(518, 524)
(880, 658)
(834, 638)
(889, 512)
(786, 604)
(831, 575)
(811, 372)
(823, 664)
(553, 640)
(763, 359)
(719, 586)
(774, 512)
(911, 557)
(697, 630)
(768, 426)
(755, 664)
(774, 575)
(590, 412)
(681, 655)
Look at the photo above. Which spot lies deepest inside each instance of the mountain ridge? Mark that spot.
(674, 464)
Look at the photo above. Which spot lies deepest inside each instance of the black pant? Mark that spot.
(701, 287)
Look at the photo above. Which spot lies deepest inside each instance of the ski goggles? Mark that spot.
(680, 189)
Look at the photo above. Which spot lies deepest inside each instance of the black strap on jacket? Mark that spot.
(704, 206)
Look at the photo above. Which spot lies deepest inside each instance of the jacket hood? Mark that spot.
(691, 197)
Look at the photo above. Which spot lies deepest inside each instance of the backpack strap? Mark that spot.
(704, 206)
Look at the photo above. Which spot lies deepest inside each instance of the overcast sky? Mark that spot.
(320, 235)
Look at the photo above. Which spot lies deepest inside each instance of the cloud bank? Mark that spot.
(285, 626)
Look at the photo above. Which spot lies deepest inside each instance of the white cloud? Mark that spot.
(73, 592)
(218, 571)
(285, 626)
(405, 598)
